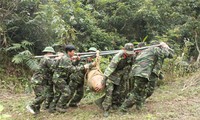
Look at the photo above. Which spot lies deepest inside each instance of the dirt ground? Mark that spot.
(179, 100)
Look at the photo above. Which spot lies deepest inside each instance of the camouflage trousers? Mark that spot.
(76, 86)
(108, 98)
(49, 96)
(151, 84)
(61, 93)
(137, 95)
(115, 95)
(39, 89)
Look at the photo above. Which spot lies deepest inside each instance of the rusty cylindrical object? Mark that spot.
(95, 80)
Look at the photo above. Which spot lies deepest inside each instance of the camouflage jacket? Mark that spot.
(119, 61)
(64, 67)
(44, 72)
(149, 60)
(158, 65)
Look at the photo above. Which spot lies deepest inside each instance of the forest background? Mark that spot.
(28, 26)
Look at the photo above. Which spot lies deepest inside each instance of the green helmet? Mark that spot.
(49, 49)
(129, 48)
(92, 49)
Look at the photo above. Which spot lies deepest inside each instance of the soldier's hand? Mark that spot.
(164, 45)
(78, 58)
(87, 66)
(94, 63)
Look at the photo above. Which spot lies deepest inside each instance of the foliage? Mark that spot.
(27, 26)
(3, 116)
(25, 56)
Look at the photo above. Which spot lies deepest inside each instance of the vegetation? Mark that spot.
(27, 26)
(176, 100)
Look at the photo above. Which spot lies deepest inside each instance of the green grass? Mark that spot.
(171, 101)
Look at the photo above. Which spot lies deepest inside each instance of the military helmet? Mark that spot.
(92, 49)
(129, 48)
(49, 49)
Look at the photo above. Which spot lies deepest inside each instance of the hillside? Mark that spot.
(173, 101)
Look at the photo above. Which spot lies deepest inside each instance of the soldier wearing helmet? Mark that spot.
(48, 50)
(91, 49)
(142, 73)
(79, 76)
(42, 82)
(114, 77)
(129, 47)
(63, 80)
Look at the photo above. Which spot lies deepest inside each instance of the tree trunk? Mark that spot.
(197, 47)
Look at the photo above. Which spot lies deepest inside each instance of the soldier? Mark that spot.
(63, 69)
(40, 81)
(50, 87)
(90, 59)
(114, 73)
(141, 72)
(78, 77)
(156, 72)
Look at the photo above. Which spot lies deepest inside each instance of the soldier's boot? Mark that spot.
(47, 102)
(73, 105)
(31, 109)
(139, 105)
(52, 108)
(37, 109)
(106, 114)
(61, 109)
(98, 102)
(122, 110)
(45, 107)
(115, 107)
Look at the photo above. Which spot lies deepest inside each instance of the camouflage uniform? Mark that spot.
(78, 77)
(49, 88)
(63, 69)
(76, 86)
(154, 77)
(114, 72)
(141, 74)
(40, 82)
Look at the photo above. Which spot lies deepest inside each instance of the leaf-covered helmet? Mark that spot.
(129, 47)
(48, 49)
(92, 49)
